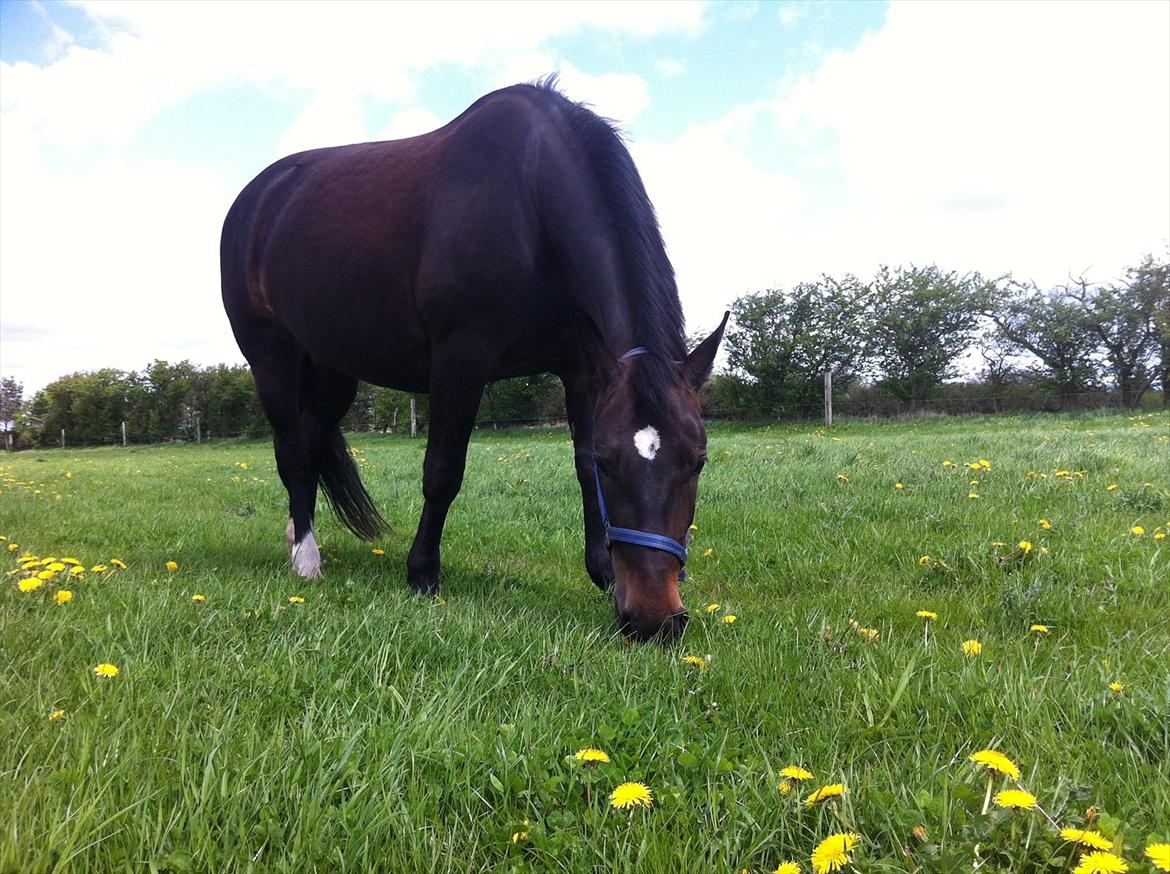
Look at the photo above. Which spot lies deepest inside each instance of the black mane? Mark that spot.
(648, 272)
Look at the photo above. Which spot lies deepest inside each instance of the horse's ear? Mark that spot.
(698, 365)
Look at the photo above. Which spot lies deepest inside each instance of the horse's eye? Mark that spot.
(699, 465)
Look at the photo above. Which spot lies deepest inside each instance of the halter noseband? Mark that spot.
(632, 535)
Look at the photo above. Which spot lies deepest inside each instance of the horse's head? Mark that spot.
(649, 448)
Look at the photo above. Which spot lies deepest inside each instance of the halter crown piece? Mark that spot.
(631, 535)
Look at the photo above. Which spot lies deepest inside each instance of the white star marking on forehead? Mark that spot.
(647, 443)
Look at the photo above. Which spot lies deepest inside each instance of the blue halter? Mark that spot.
(631, 535)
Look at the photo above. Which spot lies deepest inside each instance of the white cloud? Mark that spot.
(409, 123)
(328, 119)
(1024, 137)
(108, 261)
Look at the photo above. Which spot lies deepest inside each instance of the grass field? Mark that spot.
(367, 729)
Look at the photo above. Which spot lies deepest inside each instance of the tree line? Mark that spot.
(901, 338)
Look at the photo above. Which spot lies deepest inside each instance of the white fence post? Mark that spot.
(413, 417)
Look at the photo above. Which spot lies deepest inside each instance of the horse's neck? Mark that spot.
(614, 316)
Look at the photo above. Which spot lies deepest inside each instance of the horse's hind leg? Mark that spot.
(277, 371)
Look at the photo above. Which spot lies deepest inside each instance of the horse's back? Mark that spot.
(370, 253)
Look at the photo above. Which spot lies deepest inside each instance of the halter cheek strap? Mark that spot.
(631, 535)
(639, 538)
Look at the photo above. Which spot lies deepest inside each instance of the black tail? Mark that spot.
(343, 487)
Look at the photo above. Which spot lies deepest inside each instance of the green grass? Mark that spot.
(371, 730)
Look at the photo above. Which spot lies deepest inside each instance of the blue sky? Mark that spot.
(778, 140)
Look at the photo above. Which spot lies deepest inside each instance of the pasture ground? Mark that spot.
(370, 730)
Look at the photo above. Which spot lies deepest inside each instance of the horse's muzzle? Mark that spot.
(664, 629)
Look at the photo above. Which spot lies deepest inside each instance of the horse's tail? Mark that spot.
(344, 490)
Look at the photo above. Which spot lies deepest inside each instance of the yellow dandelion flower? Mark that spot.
(842, 479)
(46, 575)
(48, 560)
(998, 543)
(56, 567)
(899, 486)
(376, 551)
(795, 772)
(1024, 546)
(925, 560)
(518, 837)
(198, 599)
(1101, 863)
(1044, 523)
(995, 761)
(833, 790)
(296, 599)
(71, 561)
(1159, 854)
(972, 648)
(1159, 535)
(76, 571)
(1039, 629)
(1093, 840)
(31, 584)
(696, 661)
(105, 669)
(832, 854)
(985, 464)
(99, 569)
(870, 634)
(630, 795)
(707, 552)
(56, 715)
(1138, 530)
(12, 547)
(785, 787)
(711, 608)
(729, 618)
(948, 463)
(974, 496)
(1117, 687)
(1016, 799)
(118, 563)
(693, 527)
(1112, 487)
(787, 868)
(172, 565)
(63, 597)
(928, 615)
(592, 756)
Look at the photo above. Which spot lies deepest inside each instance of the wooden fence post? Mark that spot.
(413, 417)
(828, 398)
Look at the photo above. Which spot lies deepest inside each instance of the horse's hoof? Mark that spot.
(426, 588)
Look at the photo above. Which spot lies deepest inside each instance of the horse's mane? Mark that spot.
(648, 273)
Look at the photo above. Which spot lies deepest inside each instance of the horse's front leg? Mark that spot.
(455, 397)
(580, 401)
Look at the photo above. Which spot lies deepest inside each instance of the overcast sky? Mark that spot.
(778, 141)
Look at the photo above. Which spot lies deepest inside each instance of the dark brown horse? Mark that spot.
(518, 239)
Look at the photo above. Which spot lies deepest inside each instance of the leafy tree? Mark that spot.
(924, 319)
(780, 343)
(1150, 282)
(11, 399)
(1127, 319)
(1051, 326)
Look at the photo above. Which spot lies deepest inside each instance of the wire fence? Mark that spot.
(864, 404)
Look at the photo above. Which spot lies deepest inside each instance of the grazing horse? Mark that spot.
(517, 239)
